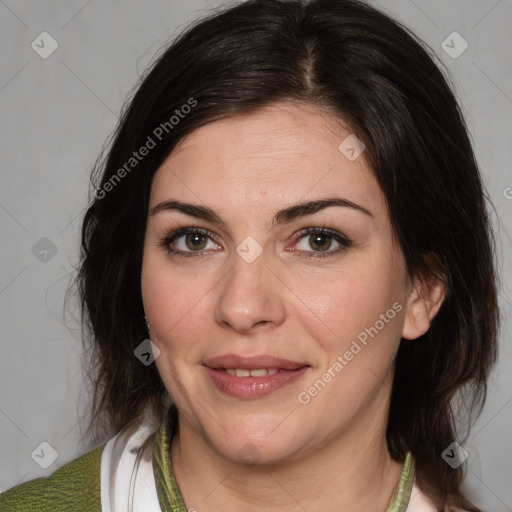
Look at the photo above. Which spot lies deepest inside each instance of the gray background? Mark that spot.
(55, 115)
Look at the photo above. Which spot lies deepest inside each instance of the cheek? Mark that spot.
(355, 303)
(357, 344)
(175, 303)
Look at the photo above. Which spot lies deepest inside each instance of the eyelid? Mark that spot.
(323, 230)
(174, 231)
(344, 241)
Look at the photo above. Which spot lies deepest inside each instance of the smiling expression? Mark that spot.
(267, 252)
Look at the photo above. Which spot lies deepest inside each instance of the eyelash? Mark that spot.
(344, 242)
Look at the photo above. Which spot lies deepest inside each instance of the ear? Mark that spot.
(424, 301)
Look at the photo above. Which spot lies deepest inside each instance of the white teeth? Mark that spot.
(242, 372)
(259, 373)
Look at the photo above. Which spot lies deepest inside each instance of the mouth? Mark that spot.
(251, 363)
(242, 372)
(253, 376)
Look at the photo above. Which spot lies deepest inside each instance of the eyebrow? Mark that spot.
(281, 217)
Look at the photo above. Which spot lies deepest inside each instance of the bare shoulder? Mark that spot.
(420, 502)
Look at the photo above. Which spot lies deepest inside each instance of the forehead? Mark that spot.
(280, 154)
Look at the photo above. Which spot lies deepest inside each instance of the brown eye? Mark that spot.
(189, 242)
(320, 242)
(195, 241)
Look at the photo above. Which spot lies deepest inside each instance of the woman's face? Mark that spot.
(275, 336)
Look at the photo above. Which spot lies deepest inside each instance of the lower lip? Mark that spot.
(254, 387)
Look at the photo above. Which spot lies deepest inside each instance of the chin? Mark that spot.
(254, 453)
(248, 445)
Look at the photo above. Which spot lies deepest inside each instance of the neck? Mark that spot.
(347, 472)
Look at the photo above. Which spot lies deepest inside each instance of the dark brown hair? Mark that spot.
(365, 68)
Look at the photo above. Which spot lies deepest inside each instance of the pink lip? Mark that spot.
(253, 387)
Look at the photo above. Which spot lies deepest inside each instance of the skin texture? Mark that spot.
(328, 454)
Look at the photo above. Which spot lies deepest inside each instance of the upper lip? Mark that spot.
(252, 362)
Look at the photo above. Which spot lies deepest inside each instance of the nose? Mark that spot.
(251, 297)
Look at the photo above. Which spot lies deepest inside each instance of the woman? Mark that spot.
(292, 213)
